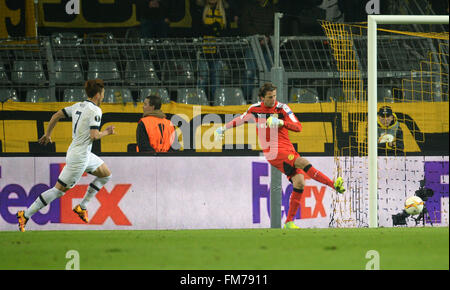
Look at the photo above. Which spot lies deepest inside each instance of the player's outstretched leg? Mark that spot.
(94, 187)
(43, 200)
(298, 182)
(339, 185)
(82, 213)
(315, 174)
(22, 220)
(290, 226)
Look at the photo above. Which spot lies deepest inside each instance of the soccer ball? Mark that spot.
(413, 205)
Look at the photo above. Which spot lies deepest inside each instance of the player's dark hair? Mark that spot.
(154, 100)
(93, 87)
(267, 87)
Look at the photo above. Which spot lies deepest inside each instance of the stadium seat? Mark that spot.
(32, 52)
(3, 76)
(192, 96)
(67, 45)
(249, 77)
(118, 95)
(223, 71)
(141, 72)
(255, 97)
(101, 45)
(177, 71)
(5, 54)
(39, 96)
(303, 95)
(213, 73)
(68, 72)
(437, 95)
(8, 94)
(410, 91)
(65, 38)
(384, 95)
(74, 95)
(28, 71)
(133, 33)
(202, 69)
(228, 97)
(105, 70)
(420, 91)
(162, 92)
(335, 94)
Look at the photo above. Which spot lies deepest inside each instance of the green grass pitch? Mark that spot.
(240, 249)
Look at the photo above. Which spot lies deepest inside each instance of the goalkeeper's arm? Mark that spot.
(290, 121)
(236, 122)
(296, 127)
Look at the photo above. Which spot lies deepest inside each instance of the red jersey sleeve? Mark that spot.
(290, 120)
(246, 117)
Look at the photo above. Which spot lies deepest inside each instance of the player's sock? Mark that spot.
(294, 203)
(94, 187)
(317, 175)
(44, 199)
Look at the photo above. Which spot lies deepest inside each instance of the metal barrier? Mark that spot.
(311, 68)
(220, 71)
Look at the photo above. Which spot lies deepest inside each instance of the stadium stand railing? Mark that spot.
(227, 71)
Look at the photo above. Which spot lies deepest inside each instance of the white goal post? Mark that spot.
(373, 20)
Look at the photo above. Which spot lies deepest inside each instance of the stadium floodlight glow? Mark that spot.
(372, 21)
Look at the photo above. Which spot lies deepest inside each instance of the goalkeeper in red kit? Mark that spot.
(273, 121)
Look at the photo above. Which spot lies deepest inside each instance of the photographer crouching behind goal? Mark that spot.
(390, 135)
(424, 194)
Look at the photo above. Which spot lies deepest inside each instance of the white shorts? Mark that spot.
(73, 170)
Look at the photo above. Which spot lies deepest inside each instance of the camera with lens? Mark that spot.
(399, 219)
(424, 193)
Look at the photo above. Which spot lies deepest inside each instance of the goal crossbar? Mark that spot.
(372, 21)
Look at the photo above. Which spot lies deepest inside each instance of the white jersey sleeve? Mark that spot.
(96, 118)
(68, 111)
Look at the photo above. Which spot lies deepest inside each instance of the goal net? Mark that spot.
(412, 82)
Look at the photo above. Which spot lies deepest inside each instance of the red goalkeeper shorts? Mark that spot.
(284, 161)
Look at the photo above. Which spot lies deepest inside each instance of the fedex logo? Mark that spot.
(260, 190)
(60, 210)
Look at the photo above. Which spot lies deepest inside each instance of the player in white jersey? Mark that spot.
(86, 117)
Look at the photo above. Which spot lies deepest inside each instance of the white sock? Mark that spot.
(94, 187)
(45, 198)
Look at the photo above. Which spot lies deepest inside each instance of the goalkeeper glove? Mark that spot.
(274, 122)
(219, 133)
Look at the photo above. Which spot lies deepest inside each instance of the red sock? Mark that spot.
(318, 176)
(294, 204)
